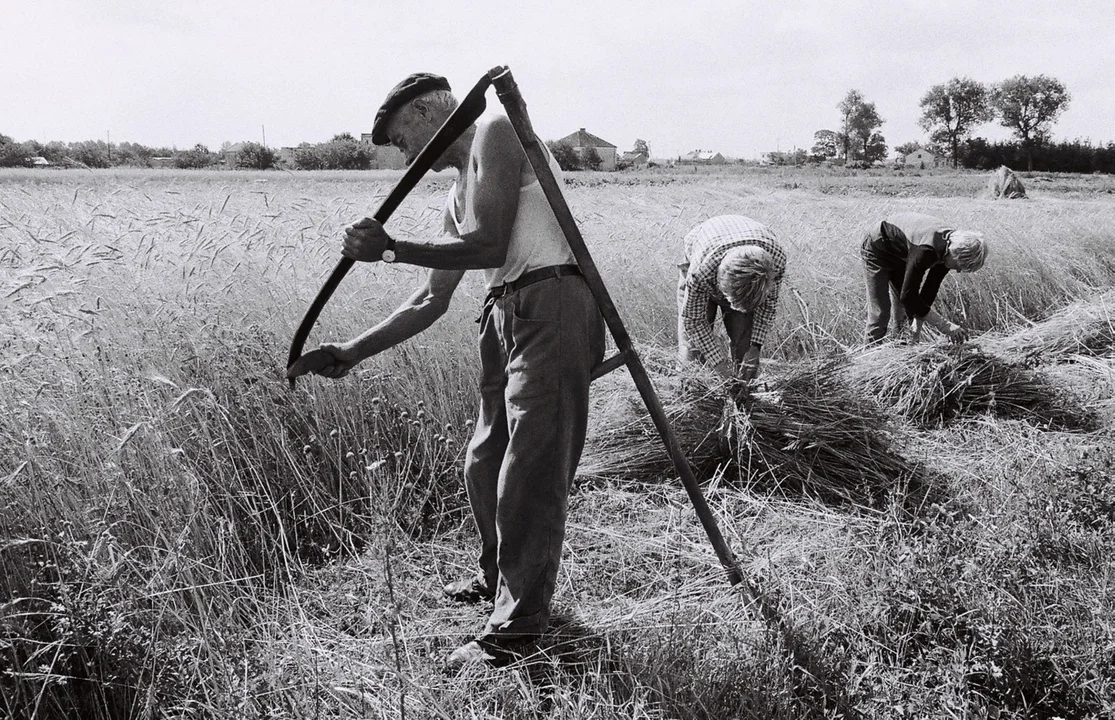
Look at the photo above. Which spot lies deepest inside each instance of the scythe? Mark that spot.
(465, 115)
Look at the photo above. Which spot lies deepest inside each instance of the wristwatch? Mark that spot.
(388, 254)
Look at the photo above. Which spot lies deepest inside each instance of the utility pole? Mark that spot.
(263, 130)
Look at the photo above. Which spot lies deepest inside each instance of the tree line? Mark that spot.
(1075, 156)
(1028, 106)
(950, 112)
(343, 152)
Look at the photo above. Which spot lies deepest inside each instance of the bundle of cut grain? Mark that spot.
(806, 435)
(1084, 328)
(623, 442)
(930, 386)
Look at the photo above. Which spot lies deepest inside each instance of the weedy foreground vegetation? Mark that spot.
(181, 535)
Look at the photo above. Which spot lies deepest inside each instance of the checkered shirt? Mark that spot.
(705, 247)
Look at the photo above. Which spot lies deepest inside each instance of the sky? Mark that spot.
(739, 77)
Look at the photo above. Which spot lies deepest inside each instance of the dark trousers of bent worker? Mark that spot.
(883, 273)
(538, 346)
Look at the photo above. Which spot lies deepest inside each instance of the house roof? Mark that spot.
(920, 152)
(700, 155)
(582, 138)
(632, 155)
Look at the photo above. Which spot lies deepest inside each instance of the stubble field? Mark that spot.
(183, 536)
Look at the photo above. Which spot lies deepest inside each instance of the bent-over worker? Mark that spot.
(905, 257)
(733, 265)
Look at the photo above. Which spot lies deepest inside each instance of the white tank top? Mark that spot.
(536, 238)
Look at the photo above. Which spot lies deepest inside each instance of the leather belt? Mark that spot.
(533, 276)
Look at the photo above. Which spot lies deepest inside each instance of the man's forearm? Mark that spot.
(472, 252)
(937, 321)
(763, 319)
(403, 324)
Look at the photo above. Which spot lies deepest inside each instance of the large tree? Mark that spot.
(906, 148)
(949, 112)
(848, 108)
(12, 154)
(567, 158)
(826, 145)
(1029, 106)
(254, 156)
(861, 122)
(874, 148)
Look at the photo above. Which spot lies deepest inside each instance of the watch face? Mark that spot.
(388, 256)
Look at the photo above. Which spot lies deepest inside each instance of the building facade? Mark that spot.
(582, 140)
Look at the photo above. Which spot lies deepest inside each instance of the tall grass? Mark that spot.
(183, 536)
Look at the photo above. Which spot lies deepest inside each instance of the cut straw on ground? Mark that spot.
(932, 385)
(1083, 328)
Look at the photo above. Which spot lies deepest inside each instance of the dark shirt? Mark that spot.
(916, 244)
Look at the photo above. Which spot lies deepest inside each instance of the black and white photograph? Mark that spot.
(585, 361)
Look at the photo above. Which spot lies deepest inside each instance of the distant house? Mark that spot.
(703, 157)
(39, 161)
(286, 155)
(583, 140)
(161, 161)
(921, 158)
(228, 154)
(635, 160)
(384, 157)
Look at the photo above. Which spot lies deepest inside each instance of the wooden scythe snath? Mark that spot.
(454, 126)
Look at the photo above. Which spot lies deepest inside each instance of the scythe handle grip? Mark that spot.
(471, 107)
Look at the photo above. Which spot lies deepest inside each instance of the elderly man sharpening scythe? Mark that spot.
(541, 333)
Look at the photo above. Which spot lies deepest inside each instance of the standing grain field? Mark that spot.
(183, 536)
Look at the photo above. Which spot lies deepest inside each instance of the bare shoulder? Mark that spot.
(495, 132)
(497, 147)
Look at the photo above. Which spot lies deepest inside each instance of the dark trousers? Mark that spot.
(884, 283)
(538, 346)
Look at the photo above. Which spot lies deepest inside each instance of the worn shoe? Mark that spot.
(469, 654)
(468, 590)
(488, 652)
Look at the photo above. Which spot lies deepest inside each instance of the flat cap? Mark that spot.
(411, 87)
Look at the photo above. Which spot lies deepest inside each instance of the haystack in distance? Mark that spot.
(1004, 184)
